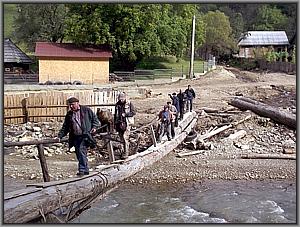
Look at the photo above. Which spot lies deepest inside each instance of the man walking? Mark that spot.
(80, 122)
(190, 93)
(173, 112)
(164, 117)
(182, 102)
(124, 112)
(175, 102)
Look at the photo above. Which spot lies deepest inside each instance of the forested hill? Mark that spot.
(138, 31)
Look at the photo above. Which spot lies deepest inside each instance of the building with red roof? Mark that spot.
(67, 62)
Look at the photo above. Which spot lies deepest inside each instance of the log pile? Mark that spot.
(265, 110)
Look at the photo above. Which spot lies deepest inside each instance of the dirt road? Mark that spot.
(220, 158)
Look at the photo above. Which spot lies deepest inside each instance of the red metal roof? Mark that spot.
(48, 49)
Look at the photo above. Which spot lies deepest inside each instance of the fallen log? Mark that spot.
(268, 156)
(210, 110)
(265, 111)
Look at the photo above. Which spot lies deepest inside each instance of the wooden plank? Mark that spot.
(18, 111)
(13, 103)
(34, 102)
(44, 97)
(49, 101)
(110, 151)
(54, 100)
(5, 110)
(43, 163)
(39, 99)
(153, 136)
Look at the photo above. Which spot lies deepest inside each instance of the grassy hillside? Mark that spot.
(10, 11)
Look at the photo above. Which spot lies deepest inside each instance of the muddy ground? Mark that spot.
(220, 158)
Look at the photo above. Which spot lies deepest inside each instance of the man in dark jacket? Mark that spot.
(165, 117)
(80, 122)
(182, 102)
(124, 119)
(190, 94)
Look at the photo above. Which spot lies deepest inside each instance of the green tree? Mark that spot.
(9, 12)
(134, 31)
(39, 22)
(269, 18)
(218, 33)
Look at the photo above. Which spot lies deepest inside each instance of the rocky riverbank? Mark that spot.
(219, 157)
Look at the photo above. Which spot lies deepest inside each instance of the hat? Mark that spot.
(72, 99)
(121, 95)
(174, 93)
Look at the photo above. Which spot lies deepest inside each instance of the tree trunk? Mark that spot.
(265, 111)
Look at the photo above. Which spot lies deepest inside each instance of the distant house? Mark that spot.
(67, 62)
(254, 41)
(15, 60)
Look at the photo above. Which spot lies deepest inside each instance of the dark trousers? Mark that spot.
(165, 127)
(172, 129)
(189, 105)
(81, 153)
(176, 120)
(181, 110)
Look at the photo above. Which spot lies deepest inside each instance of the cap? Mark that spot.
(72, 99)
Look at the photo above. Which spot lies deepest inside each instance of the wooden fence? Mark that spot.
(38, 106)
(277, 66)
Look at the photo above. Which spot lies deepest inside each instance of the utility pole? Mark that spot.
(191, 74)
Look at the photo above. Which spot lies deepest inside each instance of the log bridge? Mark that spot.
(60, 201)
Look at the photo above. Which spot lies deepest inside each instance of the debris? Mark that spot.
(241, 146)
(265, 111)
(268, 156)
(180, 155)
(223, 128)
(289, 150)
(237, 135)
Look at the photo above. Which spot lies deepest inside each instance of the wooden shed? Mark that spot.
(67, 62)
(15, 60)
(253, 42)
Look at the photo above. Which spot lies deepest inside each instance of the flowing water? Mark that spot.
(209, 202)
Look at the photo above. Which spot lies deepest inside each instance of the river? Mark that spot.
(209, 202)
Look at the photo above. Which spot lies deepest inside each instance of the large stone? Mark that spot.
(25, 138)
(36, 129)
